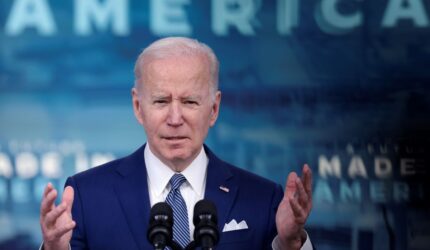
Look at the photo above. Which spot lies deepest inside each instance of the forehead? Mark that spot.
(187, 72)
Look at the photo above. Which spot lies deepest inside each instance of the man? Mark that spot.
(176, 100)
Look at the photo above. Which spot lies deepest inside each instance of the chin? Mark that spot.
(178, 155)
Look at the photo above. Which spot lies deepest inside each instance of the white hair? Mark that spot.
(177, 46)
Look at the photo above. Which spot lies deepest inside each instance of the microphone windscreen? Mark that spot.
(162, 209)
(205, 207)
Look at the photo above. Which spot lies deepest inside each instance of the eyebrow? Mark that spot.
(192, 97)
(160, 96)
(166, 96)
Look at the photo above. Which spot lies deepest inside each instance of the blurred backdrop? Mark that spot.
(340, 84)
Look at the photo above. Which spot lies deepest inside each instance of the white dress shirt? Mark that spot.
(191, 190)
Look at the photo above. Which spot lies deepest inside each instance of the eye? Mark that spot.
(160, 101)
(191, 103)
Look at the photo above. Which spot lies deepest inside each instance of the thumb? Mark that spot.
(290, 187)
(68, 196)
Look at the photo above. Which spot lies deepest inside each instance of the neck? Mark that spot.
(177, 165)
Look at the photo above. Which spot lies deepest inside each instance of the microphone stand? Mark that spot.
(193, 246)
(175, 246)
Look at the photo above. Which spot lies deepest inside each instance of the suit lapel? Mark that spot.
(132, 192)
(218, 175)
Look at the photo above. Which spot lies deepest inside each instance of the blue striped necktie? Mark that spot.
(181, 230)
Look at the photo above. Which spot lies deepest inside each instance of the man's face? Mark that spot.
(175, 106)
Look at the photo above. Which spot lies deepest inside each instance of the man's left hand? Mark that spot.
(294, 209)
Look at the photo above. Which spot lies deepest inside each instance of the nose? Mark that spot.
(175, 118)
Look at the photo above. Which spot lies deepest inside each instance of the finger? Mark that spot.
(64, 229)
(290, 186)
(48, 202)
(68, 196)
(53, 215)
(60, 231)
(307, 180)
(48, 188)
(302, 195)
(298, 211)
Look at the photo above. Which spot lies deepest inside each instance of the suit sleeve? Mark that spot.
(78, 241)
(271, 231)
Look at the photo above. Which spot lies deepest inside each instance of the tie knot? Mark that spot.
(176, 181)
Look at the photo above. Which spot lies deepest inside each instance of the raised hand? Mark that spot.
(294, 209)
(56, 221)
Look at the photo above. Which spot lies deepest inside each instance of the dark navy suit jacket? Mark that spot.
(111, 205)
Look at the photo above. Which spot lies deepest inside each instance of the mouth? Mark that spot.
(174, 138)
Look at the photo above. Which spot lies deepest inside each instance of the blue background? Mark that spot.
(314, 95)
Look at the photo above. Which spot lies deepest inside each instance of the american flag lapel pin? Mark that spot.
(224, 189)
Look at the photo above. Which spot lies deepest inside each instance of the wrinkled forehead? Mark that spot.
(180, 57)
(175, 68)
(176, 72)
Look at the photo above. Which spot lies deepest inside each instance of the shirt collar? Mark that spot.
(195, 173)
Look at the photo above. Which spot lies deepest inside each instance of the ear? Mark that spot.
(137, 106)
(215, 108)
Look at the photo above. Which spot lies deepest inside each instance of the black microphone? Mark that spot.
(205, 220)
(160, 232)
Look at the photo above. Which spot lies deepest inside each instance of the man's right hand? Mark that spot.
(56, 221)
